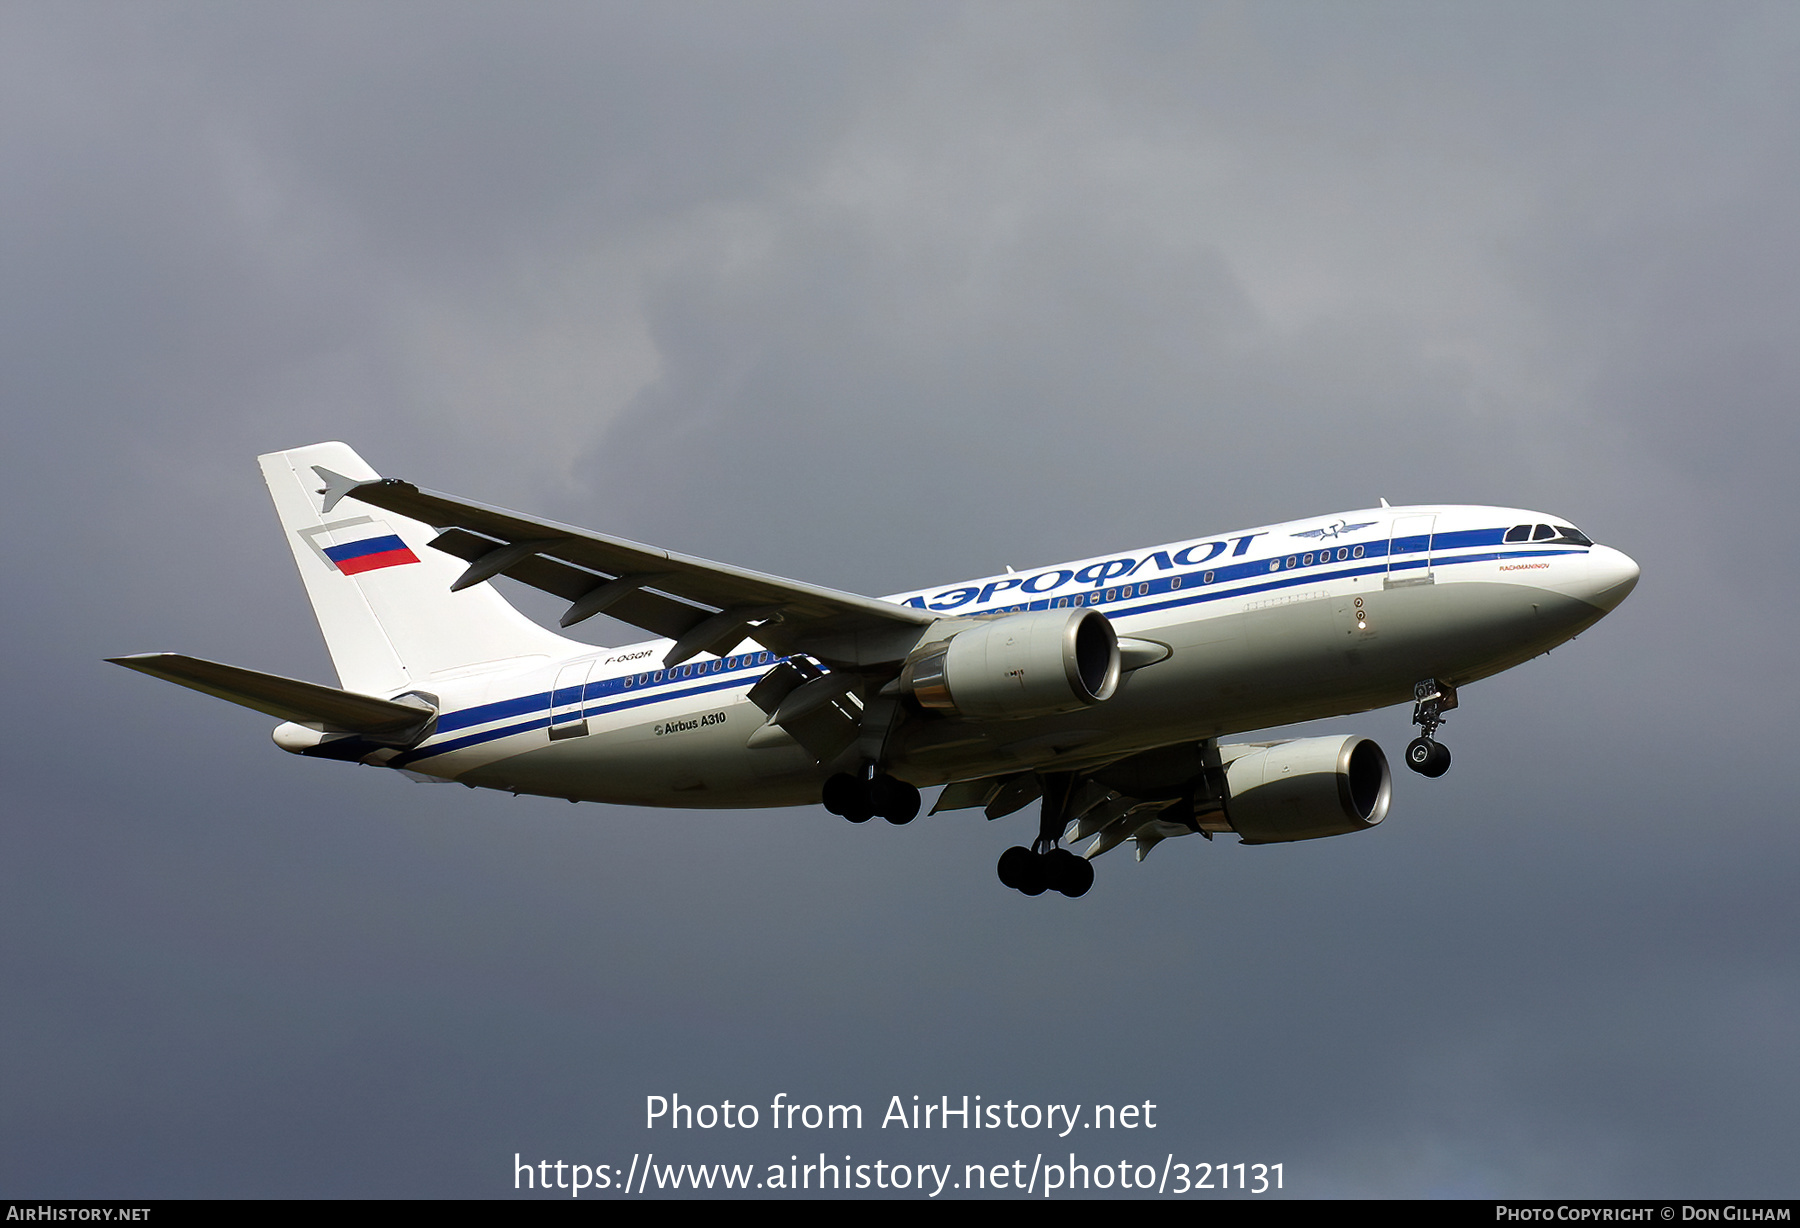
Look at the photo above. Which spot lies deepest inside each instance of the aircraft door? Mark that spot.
(1409, 550)
(566, 709)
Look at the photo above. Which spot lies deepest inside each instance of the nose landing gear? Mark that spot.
(1425, 754)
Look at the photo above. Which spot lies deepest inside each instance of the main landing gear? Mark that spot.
(1045, 867)
(860, 800)
(1033, 872)
(1425, 754)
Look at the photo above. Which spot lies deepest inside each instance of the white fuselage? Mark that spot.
(1264, 627)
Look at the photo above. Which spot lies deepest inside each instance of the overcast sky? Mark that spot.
(883, 296)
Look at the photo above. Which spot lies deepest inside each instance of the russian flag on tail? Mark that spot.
(370, 554)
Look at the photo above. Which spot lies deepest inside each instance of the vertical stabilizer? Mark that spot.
(381, 594)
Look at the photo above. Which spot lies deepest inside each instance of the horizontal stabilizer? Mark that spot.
(286, 698)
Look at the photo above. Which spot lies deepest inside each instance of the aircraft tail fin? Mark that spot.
(382, 596)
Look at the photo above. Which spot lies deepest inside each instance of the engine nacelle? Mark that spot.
(1034, 664)
(1306, 789)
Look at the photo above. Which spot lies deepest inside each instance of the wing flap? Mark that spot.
(968, 794)
(655, 613)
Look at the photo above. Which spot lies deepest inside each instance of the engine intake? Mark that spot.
(1306, 789)
(1034, 664)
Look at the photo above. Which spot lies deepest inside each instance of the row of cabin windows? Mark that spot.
(1560, 534)
(1306, 560)
(1111, 594)
(701, 667)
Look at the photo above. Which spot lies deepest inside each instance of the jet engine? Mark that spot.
(1306, 789)
(1032, 664)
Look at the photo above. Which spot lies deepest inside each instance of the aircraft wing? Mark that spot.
(703, 606)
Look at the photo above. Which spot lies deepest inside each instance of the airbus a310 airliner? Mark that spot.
(1099, 688)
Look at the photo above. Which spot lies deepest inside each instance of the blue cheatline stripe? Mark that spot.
(500, 710)
(637, 700)
(1468, 537)
(1374, 562)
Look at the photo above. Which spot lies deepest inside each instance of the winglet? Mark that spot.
(335, 488)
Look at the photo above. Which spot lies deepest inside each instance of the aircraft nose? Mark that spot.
(1612, 574)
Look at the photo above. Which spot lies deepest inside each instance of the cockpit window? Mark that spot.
(1561, 534)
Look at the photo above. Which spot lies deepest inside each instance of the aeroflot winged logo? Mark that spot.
(1337, 529)
(365, 544)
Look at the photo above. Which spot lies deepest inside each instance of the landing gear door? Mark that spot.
(567, 712)
(1409, 550)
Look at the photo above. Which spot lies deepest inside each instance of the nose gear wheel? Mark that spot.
(1425, 754)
